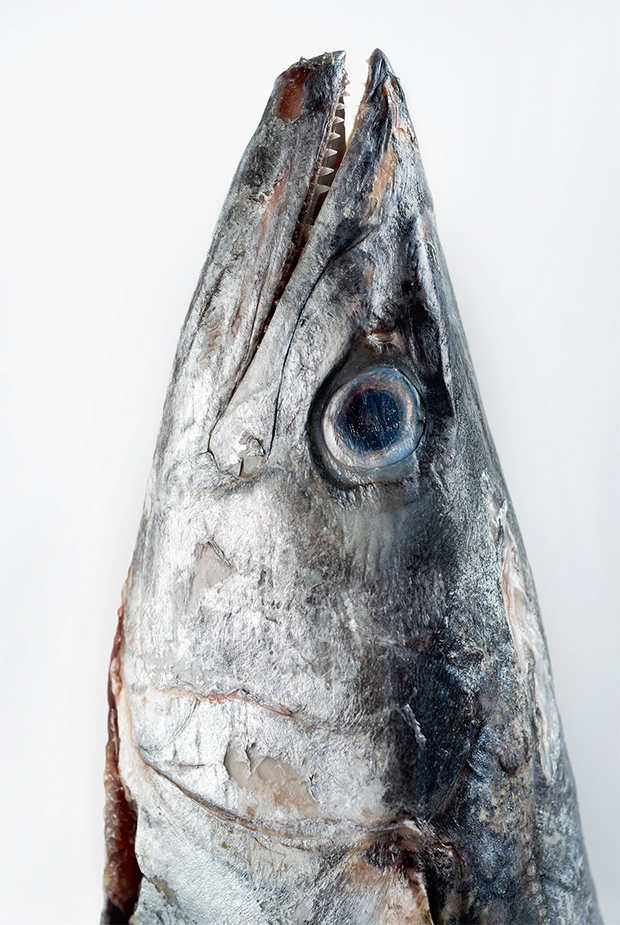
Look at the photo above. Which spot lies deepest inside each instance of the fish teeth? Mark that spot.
(324, 171)
(337, 119)
(335, 136)
(321, 188)
(330, 152)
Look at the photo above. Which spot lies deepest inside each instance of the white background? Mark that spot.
(122, 124)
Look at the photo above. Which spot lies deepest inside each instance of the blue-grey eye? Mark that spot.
(374, 420)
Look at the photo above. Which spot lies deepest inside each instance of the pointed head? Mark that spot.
(300, 575)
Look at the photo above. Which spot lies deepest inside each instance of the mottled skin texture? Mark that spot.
(334, 703)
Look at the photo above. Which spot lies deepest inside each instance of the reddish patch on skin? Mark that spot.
(399, 125)
(397, 875)
(383, 183)
(291, 99)
(273, 203)
(236, 695)
(369, 272)
(258, 243)
(122, 876)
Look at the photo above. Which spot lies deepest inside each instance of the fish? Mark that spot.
(330, 697)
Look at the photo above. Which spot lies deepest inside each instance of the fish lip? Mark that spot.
(380, 77)
(379, 71)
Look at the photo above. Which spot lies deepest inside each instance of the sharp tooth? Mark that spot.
(334, 136)
(337, 119)
(340, 106)
(345, 93)
(330, 152)
(320, 188)
(324, 171)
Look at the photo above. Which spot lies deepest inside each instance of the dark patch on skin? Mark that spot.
(395, 854)
(291, 99)
(494, 877)
(422, 857)
(512, 758)
(417, 308)
(122, 876)
(426, 758)
(347, 234)
(112, 915)
(421, 677)
(421, 329)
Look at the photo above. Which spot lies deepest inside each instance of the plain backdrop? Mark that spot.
(122, 125)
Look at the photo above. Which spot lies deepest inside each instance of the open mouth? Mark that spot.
(297, 97)
(329, 163)
(329, 159)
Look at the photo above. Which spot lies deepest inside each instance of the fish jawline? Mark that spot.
(349, 833)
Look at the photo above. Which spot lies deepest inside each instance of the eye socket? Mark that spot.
(374, 420)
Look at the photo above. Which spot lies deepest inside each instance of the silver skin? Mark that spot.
(334, 699)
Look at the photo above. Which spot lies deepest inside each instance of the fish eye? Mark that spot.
(374, 420)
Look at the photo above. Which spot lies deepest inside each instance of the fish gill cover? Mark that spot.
(330, 695)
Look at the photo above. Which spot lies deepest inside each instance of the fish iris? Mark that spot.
(374, 420)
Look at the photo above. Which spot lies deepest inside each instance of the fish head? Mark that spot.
(330, 697)
(315, 597)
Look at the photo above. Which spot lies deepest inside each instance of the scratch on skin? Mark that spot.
(217, 697)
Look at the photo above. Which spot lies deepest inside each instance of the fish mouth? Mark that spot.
(291, 100)
(302, 195)
(275, 798)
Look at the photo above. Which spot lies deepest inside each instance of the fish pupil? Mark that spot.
(370, 420)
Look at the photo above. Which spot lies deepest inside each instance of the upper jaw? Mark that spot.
(253, 244)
